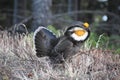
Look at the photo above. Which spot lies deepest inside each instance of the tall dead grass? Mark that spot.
(18, 62)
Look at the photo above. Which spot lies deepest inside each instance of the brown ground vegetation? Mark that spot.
(19, 62)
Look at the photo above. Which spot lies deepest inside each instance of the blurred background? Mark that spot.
(102, 15)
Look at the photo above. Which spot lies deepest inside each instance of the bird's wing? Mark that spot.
(42, 41)
(63, 48)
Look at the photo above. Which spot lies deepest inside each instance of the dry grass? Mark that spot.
(18, 62)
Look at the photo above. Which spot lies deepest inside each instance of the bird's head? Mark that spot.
(78, 32)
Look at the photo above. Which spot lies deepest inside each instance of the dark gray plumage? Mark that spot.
(61, 48)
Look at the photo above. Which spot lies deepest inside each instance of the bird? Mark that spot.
(60, 49)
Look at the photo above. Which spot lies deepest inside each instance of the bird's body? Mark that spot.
(61, 48)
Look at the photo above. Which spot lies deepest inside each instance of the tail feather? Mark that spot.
(42, 41)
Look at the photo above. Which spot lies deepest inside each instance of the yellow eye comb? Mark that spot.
(86, 25)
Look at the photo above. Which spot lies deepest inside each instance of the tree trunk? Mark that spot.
(19, 11)
(41, 13)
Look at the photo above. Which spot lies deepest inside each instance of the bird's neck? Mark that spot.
(74, 41)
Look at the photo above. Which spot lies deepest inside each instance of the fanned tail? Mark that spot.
(42, 41)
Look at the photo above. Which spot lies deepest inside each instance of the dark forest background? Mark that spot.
(102, 15)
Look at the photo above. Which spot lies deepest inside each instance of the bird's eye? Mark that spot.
(86, 25)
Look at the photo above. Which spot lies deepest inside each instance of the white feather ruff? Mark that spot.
(79, 38)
